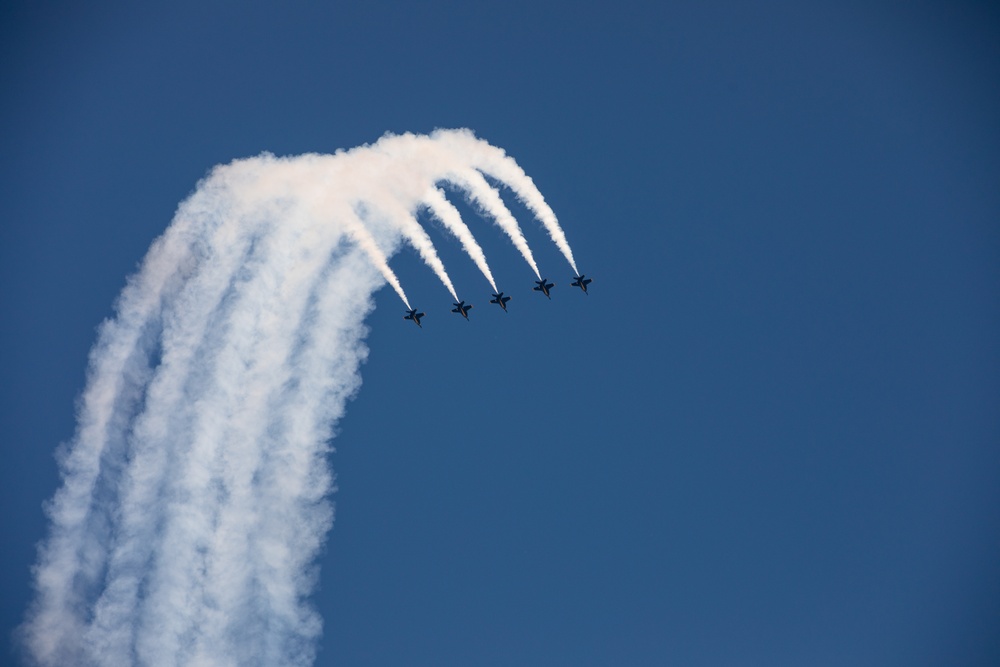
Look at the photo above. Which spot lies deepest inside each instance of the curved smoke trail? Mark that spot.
(449, 216)
(194, 497)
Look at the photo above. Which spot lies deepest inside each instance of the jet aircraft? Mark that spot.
(543, 286)
(500, 300)
(462, 309)
(582, 281)
(414, 315)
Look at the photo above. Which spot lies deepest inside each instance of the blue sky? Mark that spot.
(768, 436)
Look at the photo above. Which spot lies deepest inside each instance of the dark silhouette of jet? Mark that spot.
(543, 286)
(582, 281)
(462, 309)
(500, 300)
(415, 316)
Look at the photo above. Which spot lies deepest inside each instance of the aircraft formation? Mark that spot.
(462, 308)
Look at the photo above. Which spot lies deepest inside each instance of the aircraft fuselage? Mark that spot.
(543, 286)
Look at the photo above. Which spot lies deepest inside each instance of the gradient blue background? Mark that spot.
(771, 434)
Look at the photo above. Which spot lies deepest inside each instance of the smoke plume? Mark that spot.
(195, 492)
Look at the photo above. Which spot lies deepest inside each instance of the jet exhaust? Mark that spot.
(195, 491)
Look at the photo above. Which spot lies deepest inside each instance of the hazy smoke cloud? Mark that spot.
(194, 497)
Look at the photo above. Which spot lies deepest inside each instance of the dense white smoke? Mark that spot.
(195, 491)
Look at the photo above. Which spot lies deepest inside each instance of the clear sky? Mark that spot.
(769, 436)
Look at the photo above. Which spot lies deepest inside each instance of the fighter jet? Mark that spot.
(414, 315)
(462, 309)
(543, 286)
(500, 300)
(582, 281)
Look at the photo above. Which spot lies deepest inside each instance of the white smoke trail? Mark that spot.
(195, 491)
(411, 230)
(488, 200)
(495, 162)
(452, 220)
(360, 235)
